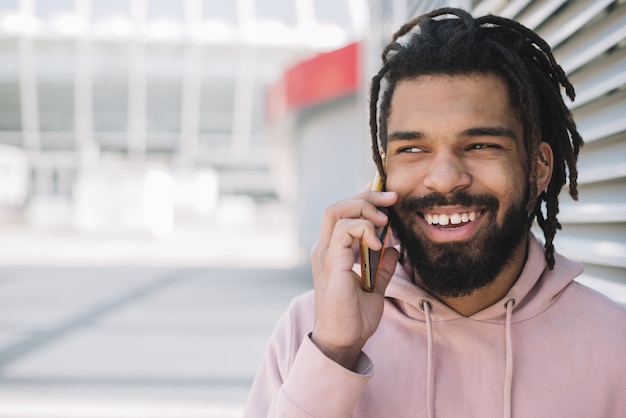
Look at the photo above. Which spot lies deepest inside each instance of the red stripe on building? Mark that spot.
(325, 77)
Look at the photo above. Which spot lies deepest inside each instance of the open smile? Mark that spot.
(452, 224)
(444, 219)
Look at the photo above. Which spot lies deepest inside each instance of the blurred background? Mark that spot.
(164, 166)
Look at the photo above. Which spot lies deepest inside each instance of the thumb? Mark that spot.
(386, 269)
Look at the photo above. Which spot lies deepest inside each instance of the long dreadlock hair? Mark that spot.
(490, 44)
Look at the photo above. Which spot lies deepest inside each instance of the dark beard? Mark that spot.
(459, 268)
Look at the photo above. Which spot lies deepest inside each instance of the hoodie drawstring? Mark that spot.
(426, 306)
(508, 368)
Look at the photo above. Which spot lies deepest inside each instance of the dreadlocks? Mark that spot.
(490, 45)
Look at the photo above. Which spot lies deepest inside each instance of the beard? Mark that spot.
(457, 269)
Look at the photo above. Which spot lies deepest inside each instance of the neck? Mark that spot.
(487, 295)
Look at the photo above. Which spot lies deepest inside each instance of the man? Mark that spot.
(470, 316)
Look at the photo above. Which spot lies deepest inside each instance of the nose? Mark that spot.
(447, 174)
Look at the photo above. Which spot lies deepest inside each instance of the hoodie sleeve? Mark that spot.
(296, 379)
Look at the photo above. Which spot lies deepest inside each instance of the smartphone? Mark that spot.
(370, 259)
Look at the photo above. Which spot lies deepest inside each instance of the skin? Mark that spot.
(446, 134)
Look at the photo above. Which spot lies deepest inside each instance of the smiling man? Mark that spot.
(470, 316)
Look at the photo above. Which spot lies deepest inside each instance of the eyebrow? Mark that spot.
(471, 132)
(405, 135)
(490, 131)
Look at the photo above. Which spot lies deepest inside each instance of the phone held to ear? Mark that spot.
(370, 259)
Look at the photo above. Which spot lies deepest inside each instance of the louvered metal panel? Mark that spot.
(599, 78)
(574, 16)
(592, 40)
(513, 8)
(538, 12)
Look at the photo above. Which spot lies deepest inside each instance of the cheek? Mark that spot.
(508, 186)
(505, 177)
(404, 181)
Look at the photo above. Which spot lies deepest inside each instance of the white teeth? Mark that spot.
(453, 219)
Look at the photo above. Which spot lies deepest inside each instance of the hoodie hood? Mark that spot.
(536, 289)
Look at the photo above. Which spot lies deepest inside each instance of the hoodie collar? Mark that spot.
(535, 290)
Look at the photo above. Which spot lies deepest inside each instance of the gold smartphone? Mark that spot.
(370, 259)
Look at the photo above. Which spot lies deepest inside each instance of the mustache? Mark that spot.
(423, 203)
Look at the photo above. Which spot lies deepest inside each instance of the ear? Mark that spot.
(544, 166)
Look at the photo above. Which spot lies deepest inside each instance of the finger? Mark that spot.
(314, 251)
(349, 231)
(381, 198)
(360, 206)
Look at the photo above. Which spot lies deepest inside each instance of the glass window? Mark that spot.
(55, 85)
(101, 9)
(259, 108)
(221, 10)
(165, 8)
(279, 10)
(334, 12)
(10, 111)
(109, 65)
(9, 5)
(216, 105)
(163, 88)
(46, 8)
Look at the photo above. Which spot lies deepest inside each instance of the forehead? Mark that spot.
(432, 100)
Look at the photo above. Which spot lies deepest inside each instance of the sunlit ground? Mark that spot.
(71, 408)
(265, 239)
(133, 325)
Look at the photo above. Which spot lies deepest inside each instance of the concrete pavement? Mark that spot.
(149, 330)
(76, 339)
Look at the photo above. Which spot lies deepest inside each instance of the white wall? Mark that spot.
(326, 143)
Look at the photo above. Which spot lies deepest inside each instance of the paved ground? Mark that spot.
(148, 331)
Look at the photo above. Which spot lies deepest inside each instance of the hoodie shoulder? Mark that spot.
(594, 303)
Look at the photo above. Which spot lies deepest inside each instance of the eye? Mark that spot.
(410, 150)
(481, 146)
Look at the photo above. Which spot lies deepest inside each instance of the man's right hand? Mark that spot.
(345, 315)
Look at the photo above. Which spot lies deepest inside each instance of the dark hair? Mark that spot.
(491, 45)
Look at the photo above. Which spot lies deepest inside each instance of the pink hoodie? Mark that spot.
(550, 348)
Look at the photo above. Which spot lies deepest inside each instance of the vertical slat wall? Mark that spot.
(588, 38)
